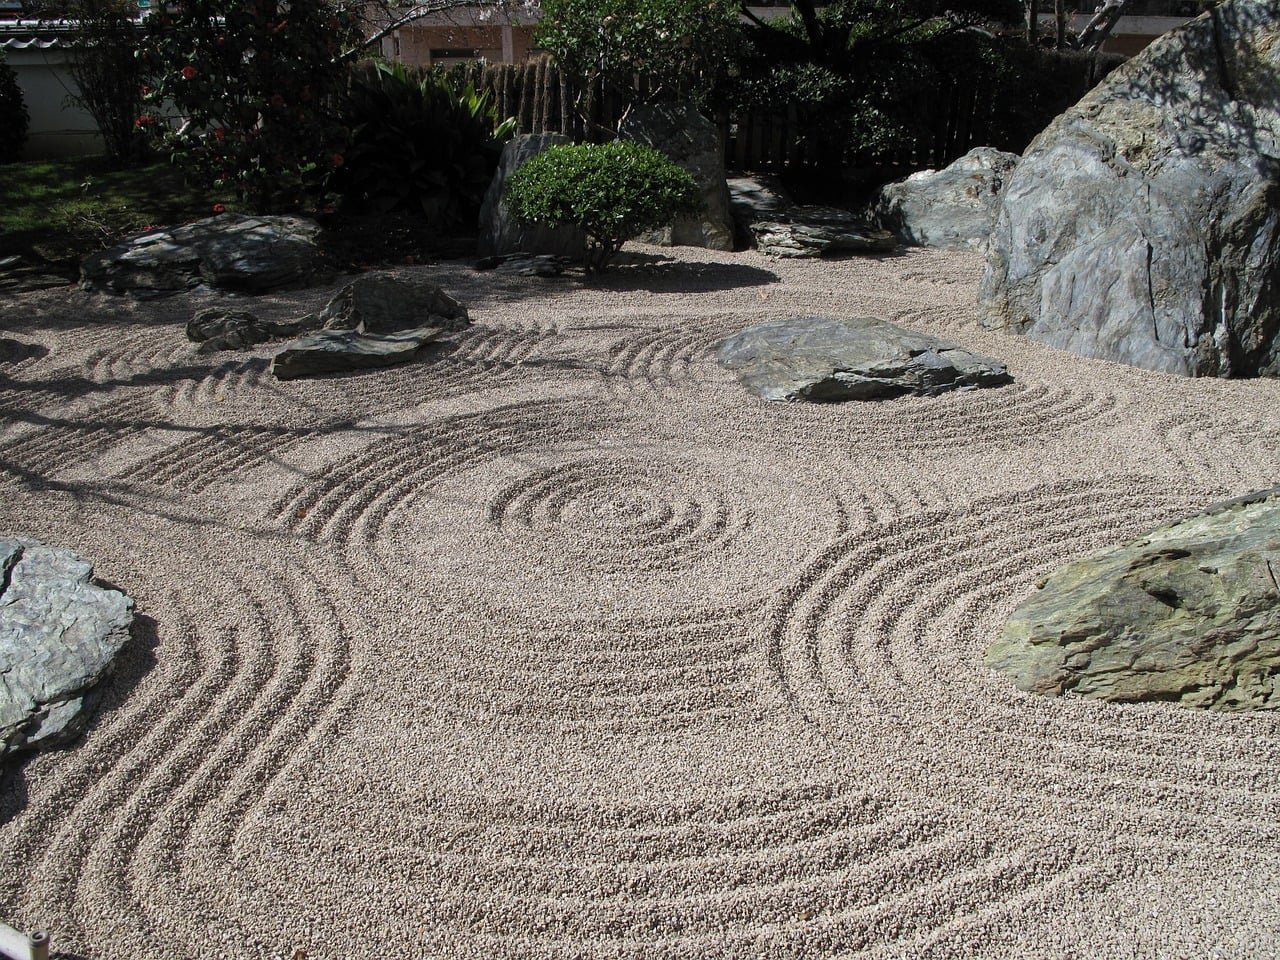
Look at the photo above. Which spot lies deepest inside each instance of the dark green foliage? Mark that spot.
(613, 191)
(417, 145)
(14, 119)
(680, 47)
(861, 74)
(255, 79)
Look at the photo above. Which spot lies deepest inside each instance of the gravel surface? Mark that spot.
(559, 644)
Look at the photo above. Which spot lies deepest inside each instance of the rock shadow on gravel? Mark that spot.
(659, 274)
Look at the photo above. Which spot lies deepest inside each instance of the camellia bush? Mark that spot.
(14, 118)
(613, 191)
(252, 83)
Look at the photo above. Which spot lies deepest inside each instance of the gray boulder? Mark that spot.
(59, 637)
(219, 328)
(230, 251)
(500, 232)
(953, 208)
(524, 264)
(860, 358)
(693, 143)
(334, 351)
(375, 321)
(811, 231)
(1143, 225)
(751, 200)
(1189, 613)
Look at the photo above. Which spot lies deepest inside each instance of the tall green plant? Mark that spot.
(14, 118)
(418, 145)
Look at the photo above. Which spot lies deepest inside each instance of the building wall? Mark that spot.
(57, 128)
(424, 45)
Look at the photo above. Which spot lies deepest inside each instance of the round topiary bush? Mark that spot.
(612, 191)
(14, 119)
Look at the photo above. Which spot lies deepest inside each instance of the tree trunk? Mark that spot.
(1033, 22)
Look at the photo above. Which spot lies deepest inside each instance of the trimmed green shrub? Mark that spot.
(14, 118)
(418, 146)
(612, 191)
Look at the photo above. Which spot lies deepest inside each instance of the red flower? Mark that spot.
(188, 72)
(338, 160)
(277, 100)
(219, 208)
(145, 89)
(219, 134)
(145, 120)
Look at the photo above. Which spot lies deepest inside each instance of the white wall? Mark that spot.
(57, 129)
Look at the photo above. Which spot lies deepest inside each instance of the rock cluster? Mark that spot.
(812, 231)
(59, 637)
(230, 251)
(1189, 613)
(953, 208)
(1143, 225)
(500, 232)
(860, 358)
(692, 142)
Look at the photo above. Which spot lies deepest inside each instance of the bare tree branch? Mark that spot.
(1100, 25)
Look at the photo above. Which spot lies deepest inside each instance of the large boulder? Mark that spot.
(1143, 225)
(1189, 613)
(860, 358)
(500, 232)
(813, 231)
(374, 321)
(953, 208)
(693, 143)
(230, 251)
(59, 637)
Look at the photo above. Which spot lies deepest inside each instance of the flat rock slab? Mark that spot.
(230, 251)
(218, 328)
(384, 303)
(333, 351)
(59, 637)
(1189, 613)
(809, 231)
(822, 359)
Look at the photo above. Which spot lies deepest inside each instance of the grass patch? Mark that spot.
(57, 211)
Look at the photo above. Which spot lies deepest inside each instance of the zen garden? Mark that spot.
(665, 479)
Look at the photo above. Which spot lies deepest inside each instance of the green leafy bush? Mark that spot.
(14, 119)
(417, 145)
(252, 81)
(612, 191)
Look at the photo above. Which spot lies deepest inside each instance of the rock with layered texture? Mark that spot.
(1189, 613)
(812, 231)
(691, 142)
(752, 199)
(335, 351)
(1143, 225)
(59, 637)
(230, 251)
(500, 232)
(953, 208)
(860, 358)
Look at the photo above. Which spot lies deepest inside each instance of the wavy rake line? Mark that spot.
(54, 447)
(484, 358)
(354, 498)
(638, 678)
(225, 381)
(619, 513)
(141, 357)
(810, 876)
(657, 360)
(846, 641)
(262, 690)
(1223, 451)
(194, 464)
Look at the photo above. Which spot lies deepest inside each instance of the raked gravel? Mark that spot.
(559, 644)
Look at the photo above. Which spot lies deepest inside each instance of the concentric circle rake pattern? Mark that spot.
(166, 779)
(619, 513)
(1220, 449)
(819, 871)
(897, 615)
